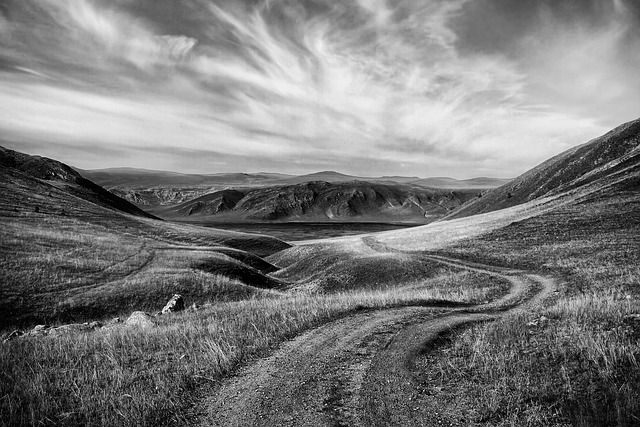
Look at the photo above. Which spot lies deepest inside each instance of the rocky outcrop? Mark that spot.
(176, 303)
(137, 319)
(44, 330)
(140, 319)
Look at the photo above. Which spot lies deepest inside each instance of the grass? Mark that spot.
(124, 376)
(67, 269)
(580, 366)
(573, 363)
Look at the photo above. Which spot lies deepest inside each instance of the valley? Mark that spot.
(465, 320)
(328, 197)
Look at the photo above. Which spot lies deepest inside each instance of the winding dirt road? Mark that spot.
(359, 370)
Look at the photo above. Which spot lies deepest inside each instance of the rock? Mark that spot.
(13, 335)
(176, 303)
(140, 319)
(38, 330)
(67, 329)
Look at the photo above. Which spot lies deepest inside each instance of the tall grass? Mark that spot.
(576, 362)
(122, 376)
(579, 367)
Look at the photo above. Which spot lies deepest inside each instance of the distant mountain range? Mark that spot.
(131, 178)
(320, 196)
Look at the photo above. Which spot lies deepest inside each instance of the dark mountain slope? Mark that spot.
(63, 177)
(209, 204)
(571, 169)
(322, 201)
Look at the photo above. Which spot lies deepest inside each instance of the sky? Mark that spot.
(459, 88)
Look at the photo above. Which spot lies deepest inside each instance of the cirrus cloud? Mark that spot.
(406, 87)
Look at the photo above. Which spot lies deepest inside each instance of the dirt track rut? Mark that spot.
(359, 370)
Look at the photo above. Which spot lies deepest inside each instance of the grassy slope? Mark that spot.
(580, 363)
(63, 258)
(568, 170)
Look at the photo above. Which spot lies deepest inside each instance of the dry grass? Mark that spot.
(62, 270)
(580, 366)
(573, 363)
(125, 377)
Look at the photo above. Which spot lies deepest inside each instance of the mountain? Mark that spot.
(571, 169)
(143, 178)
(63, 177)
(151, 189)
(322, 201)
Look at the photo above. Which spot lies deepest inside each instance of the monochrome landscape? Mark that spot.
(314, 213)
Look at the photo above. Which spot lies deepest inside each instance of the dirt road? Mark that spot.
(359, 370)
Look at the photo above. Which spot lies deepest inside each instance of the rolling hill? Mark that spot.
(574, 168)
(71, 251)
(16, 165)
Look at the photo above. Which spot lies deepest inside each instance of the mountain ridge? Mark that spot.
(314, 201)
(66, 178)
(570, 169)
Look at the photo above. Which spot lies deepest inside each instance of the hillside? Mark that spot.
(15, 164)
(72, 251)
(322, 201)
(573, 168)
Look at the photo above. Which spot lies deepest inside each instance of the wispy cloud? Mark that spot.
(396, 86)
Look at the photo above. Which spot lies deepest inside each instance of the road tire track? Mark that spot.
(359, 370)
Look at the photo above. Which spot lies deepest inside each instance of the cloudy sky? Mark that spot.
(459, 88)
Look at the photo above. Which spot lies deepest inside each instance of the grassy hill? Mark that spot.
(71, 250)
(574, 168)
